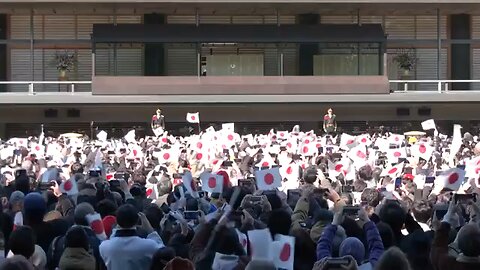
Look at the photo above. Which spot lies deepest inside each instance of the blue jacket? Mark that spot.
(374, 242)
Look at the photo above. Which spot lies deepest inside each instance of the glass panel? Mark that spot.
(369, 59)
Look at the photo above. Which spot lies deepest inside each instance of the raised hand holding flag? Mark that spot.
(268, 179)
(96, 224)
(193, 117)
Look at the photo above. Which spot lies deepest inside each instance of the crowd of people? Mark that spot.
(220, 200)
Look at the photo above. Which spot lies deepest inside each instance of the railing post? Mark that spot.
(73, 88)
(405, 87)
(30, 88)
(439, 87)
(446, 87)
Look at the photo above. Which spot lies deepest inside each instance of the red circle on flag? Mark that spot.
(97, 226)
(364, 140)
(166, 156)
(149, 192)
(268, 178)
(67, 185)
(285, 253)
(305, 149)
(289, 170)
(199, 156)
(135, 152)
(453, 178)
(230, 137)
(37, 148)
(397, 139)
(282, 134)
(289, 145)
(164, 140)
(422, 149)
(478, 162)
(397, 154)
(199, 145)
(265, 164)
(307, 141)
(392, 170)
(349, 141)
(477, 170)
(338, 167)
(193, 117)
(212, 182)
(360, 154)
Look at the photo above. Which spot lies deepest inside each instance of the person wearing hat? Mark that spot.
(329, 122)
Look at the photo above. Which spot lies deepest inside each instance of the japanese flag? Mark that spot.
(359, 155)
(96, 224)
(189, 184)
(394, 154)
(283, 249)
(38, 149)
(211, 182)
(165, 156)
(227, 140)
(337, 168)
(291, 145)
(268, 179)
(394, 171)
(151, 191)
(382, 144)
(136, 152)
(283, 135)
(364, 139)
(472, 168)
(429, 124)
(130, 137)
(69, 187)
(451, 179)
(422, 150)
(396, 139)
(267, 161)
(193, 117)
(307, 148)
(347, 141)
(290, 172)
(19, 142)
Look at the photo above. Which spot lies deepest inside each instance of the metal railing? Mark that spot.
(442, 85)
(31, 84)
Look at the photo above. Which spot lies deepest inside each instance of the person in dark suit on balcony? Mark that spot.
(330, 122)
(158, 123)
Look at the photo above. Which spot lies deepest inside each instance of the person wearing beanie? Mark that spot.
(34, 210)
(75, 255)
(351, 246)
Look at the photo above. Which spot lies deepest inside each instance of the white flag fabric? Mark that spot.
(187, 180)
(228, 127)
(268, 179)
(260, 244)
(283, 250)
(451, 179)
(96, 224)
(456, 142)
(347, 141)
(396, 139)
(472, 168)
(193, 117)
(359, 155)
(102, 136)
(242, 238)
(394, 171)
(211, 182)
(422, 150)
(394, 154)
(429, 124)
(130, 137)
(69, 187)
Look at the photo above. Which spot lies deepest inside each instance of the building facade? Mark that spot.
(245, 61)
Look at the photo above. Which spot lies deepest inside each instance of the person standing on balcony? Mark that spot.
(158, 123)
(329, 122)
